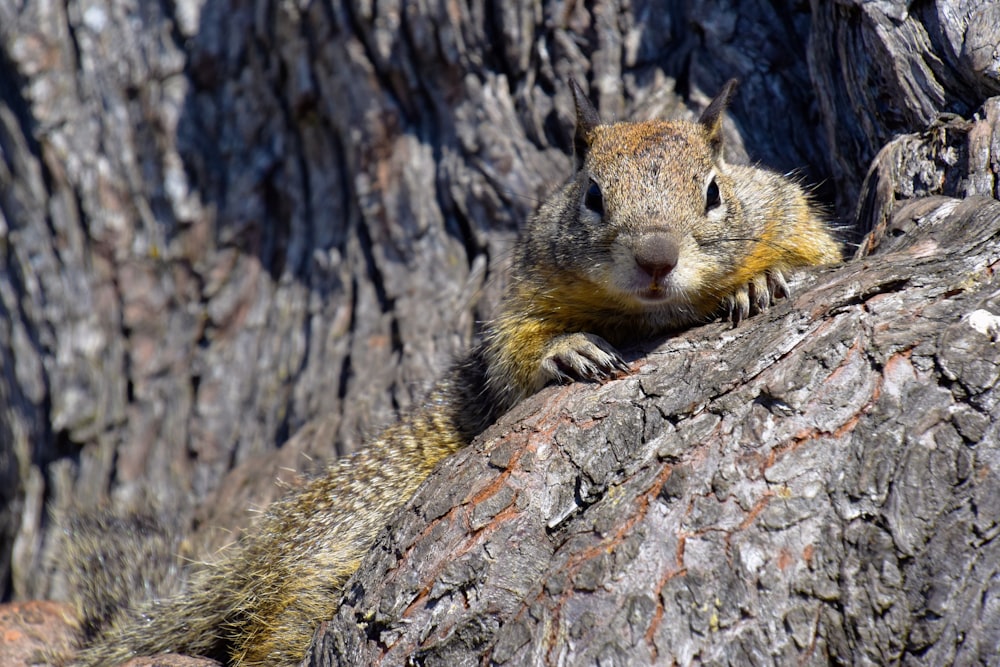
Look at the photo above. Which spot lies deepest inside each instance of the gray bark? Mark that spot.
(818, 486)
(238, 237)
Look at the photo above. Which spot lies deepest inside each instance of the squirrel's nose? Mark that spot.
(656, 254)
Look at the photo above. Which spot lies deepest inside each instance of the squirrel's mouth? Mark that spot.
(655, 293)
(644, 290)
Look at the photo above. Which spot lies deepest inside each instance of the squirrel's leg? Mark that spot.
(525, 354)
(580, 356)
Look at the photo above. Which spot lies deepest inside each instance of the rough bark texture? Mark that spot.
(816, 486)
(225, 223)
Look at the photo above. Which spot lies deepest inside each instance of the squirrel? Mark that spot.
(653, 232)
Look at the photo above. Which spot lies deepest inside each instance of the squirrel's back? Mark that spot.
(654, 231)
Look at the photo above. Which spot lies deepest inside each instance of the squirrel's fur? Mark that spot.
(654, 231)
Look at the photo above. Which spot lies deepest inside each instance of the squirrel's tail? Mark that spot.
(126, 576)
(115, 561)
(186, 622)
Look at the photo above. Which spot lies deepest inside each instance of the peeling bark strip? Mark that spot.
(819, 485)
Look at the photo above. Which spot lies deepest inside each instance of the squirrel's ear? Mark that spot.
(586, 120)
(711, 118)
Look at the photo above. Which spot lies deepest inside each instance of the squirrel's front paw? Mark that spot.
(757, 295)
(580, 356)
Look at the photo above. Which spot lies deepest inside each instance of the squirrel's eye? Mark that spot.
(594, 200)
(712, 197)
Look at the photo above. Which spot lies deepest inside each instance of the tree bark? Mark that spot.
(224, 224)
(816, 486)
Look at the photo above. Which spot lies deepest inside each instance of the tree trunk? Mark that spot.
(224, 224)
(816, 486)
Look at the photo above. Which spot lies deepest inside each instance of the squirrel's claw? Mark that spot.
(776, 285)
(581, 356)
(757, 295)
(739, 305)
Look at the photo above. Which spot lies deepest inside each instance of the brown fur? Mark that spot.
(654, 231)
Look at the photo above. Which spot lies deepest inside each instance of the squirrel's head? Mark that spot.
(647, 206)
